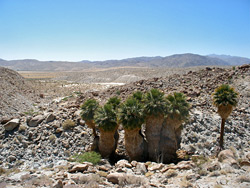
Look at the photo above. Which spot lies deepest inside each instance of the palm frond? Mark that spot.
(106, 118)
(131, 114)
(225, 95)
(88, 109)
(155, 103)
(178, 106)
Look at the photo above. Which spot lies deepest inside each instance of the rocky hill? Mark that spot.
(178, 60)
(16, 94)
(35, 149)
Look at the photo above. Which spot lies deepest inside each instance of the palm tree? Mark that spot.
(131, 116)
(87, 113)
(224, 98)
(115, 102)
(106, 121)
(155, 109)
(178, 112)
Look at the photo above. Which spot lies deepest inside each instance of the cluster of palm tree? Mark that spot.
(162, 116)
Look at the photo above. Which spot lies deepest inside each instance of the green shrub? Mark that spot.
(91, 156)
(68, 124)
(118, 92)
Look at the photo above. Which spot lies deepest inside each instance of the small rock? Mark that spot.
(123, 163)
(58, 184)
(213, 167)
(114, 177)
(140, 168)
(102, 173)
(104, 168)
(155, 166)
(11, 158)
(79, 168)
(12, 124)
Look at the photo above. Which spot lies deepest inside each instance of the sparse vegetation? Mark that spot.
(68, 124)
(52, 138)
(91, 156)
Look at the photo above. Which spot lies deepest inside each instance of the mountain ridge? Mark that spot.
(172, 61)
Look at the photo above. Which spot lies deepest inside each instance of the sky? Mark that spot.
(75, 30)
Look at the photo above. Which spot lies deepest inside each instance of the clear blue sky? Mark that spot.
(76, 30)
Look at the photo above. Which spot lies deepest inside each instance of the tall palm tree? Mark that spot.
(87, 113)
(106, 121)
(224, 98)
(155, 109)
(131, 116)
(178, 112)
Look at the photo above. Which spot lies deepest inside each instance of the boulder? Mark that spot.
(50, 117)
(35, 121)
(114, 177)
(12, 124)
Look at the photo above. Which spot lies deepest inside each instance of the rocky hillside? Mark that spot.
(34, 148)
(16, 94)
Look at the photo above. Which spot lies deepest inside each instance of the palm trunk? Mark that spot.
(134, 144)
(222, 132)
(91, 125)
(106, 142)
(153, 132)
(169, 143)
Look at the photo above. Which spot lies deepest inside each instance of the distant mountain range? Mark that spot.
(173, 61)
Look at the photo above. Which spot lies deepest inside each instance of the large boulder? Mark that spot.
(12, 124)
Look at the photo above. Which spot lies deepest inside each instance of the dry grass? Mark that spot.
(68, 124)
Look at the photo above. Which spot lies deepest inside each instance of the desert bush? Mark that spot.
(91, 156)
(52, 138)
(22, 128)
(68, 124)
